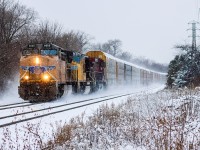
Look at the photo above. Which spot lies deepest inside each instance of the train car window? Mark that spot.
(49, 52)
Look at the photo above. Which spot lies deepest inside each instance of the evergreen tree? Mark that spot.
(184, 70)
(174, 67)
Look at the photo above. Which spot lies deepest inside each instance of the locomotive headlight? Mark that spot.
(26, 77)
(46, 77)
(37, 61)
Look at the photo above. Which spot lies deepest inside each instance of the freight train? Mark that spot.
(45, 70)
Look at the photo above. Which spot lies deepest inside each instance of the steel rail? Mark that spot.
(48, 108)
(20, 106)
(13, 104)
(30, 104)
(48, 114)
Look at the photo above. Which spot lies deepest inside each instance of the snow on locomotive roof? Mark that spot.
(128, 63)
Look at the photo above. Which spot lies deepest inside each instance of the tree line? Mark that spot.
(18, 27)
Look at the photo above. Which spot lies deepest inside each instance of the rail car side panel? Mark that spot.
(120, 73)
(135, 76)
(111, 71)
(128, 74)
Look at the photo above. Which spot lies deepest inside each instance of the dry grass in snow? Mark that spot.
(164, 120)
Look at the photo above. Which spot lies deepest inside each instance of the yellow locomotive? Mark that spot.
(46, 68)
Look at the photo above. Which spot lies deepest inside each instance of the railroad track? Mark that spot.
(18, 106)
(82, 103)
(91, 101)
(49, 108)
(13, 104)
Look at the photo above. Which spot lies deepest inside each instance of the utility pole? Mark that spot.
(194, 34)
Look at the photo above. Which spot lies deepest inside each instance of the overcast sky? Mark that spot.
(147, 28)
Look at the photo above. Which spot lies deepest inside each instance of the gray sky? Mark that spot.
(147, 28)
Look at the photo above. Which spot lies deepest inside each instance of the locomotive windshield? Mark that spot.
(47, 49)
(42, 52)
(29, 52)
(49, 52)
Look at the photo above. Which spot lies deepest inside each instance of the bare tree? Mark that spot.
(28, 35)
(97, 46)
(103, 47)
(47, 32)
(115, 46)
(13, 19)
(126, 56)
(106, 47)
(112, 47)
(75, 41)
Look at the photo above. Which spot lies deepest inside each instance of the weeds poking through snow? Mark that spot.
(164, 120)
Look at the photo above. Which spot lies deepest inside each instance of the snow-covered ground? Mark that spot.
(47, 125)
(168, 119)
(160, 119)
